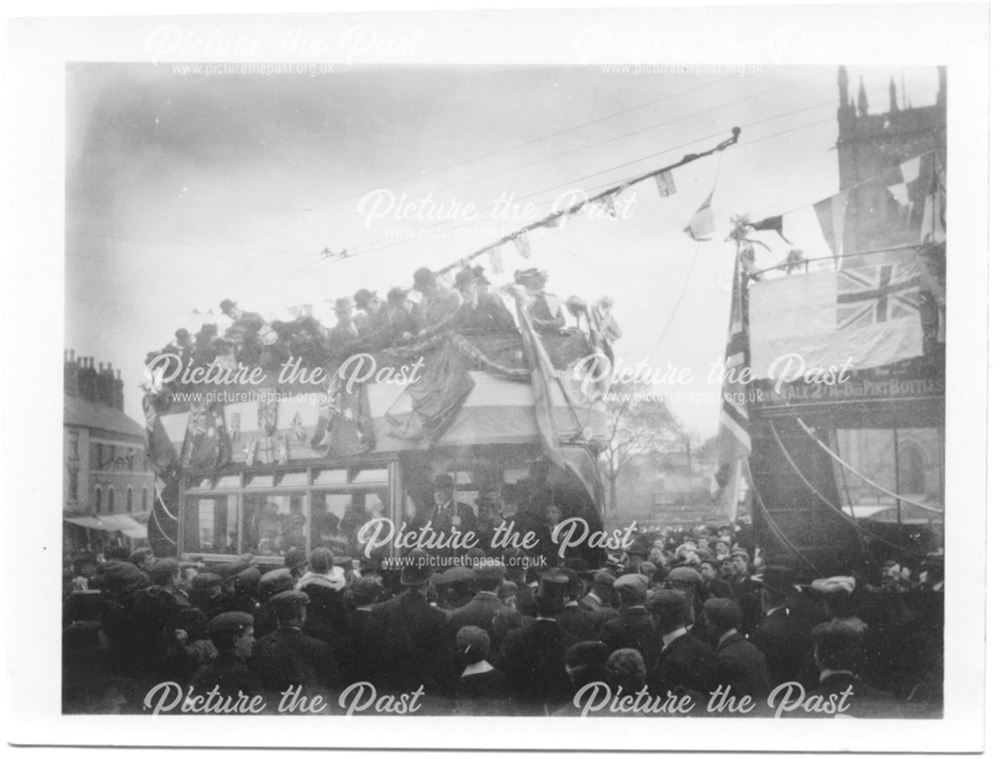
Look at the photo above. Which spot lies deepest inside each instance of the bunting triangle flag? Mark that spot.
(496, 260)
(665, 183)
(702, 224)
(523, 246)
(831, 214)
(774, 224)
(609, 205)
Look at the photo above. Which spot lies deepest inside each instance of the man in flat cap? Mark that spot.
(372, 320)
(416, 643)
(289, 657)
(482, 312)
(485, 610)
(779, 636)
(344, 337)
(232, 635)
(207, 593)
(599, 597)
(741, 665)
(634, 627)
(271, 583)
(684, 663)
(533, 656)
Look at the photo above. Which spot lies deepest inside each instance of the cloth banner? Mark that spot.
(860, 317)
(206, 444)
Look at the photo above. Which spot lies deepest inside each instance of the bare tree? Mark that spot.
(638, 424)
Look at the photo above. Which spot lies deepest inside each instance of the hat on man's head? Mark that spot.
(490, 572)
(444, 482)
(295, 558)
(229, 623)
(668, 602)
(227, 305)
(363, 296)
(287, 599)
(829, 585)
(739, 552)
(459, 574)
(521, 276)
(274, 582)
(423, 278)
(206, 580)
(684, 576)
(603, 578)
(417, 570)
(724, 612)
(343, 304)
(632, 587)
(776, 578)
(552, 587)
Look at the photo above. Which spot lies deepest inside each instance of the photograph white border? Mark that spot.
(37, 50)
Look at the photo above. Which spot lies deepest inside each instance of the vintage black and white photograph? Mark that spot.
(612, 386)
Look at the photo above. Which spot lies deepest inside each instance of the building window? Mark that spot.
(128, 500)
(145, 503)
(111, 500)
(97, 500)
(73, 473)
(74, 445)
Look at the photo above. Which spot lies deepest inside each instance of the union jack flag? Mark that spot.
(871, 295)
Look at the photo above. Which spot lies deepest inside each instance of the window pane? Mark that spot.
(210, 525)
(337, 517)
(272, 524)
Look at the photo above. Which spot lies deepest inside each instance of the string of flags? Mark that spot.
(917, 182)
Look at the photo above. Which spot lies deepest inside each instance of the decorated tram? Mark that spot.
(285, 444)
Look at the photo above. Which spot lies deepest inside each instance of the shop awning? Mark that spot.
(111, 523)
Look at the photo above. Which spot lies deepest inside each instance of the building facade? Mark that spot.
(108, 485)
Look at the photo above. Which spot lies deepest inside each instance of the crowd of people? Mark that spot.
(469, 305)
(500, 636)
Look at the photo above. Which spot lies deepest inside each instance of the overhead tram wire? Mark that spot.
(380, 246)
(532, 141)
(360, 250)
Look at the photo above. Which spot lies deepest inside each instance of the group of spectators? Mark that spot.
(368, 322)
(497, 635)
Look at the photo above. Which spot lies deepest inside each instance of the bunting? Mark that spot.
(523, 245)
(702, 224)
(831, 214)
(665, 184)
(773, 224)
(496, 260)
(609, 205)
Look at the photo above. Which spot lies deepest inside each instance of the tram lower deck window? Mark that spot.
(211, 524)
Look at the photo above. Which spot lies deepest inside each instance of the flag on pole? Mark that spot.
(665, 183)
(831, 214)
(702, 224)
(523, 246)
(734, 422)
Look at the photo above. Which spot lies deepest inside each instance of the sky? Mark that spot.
(188, 186)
